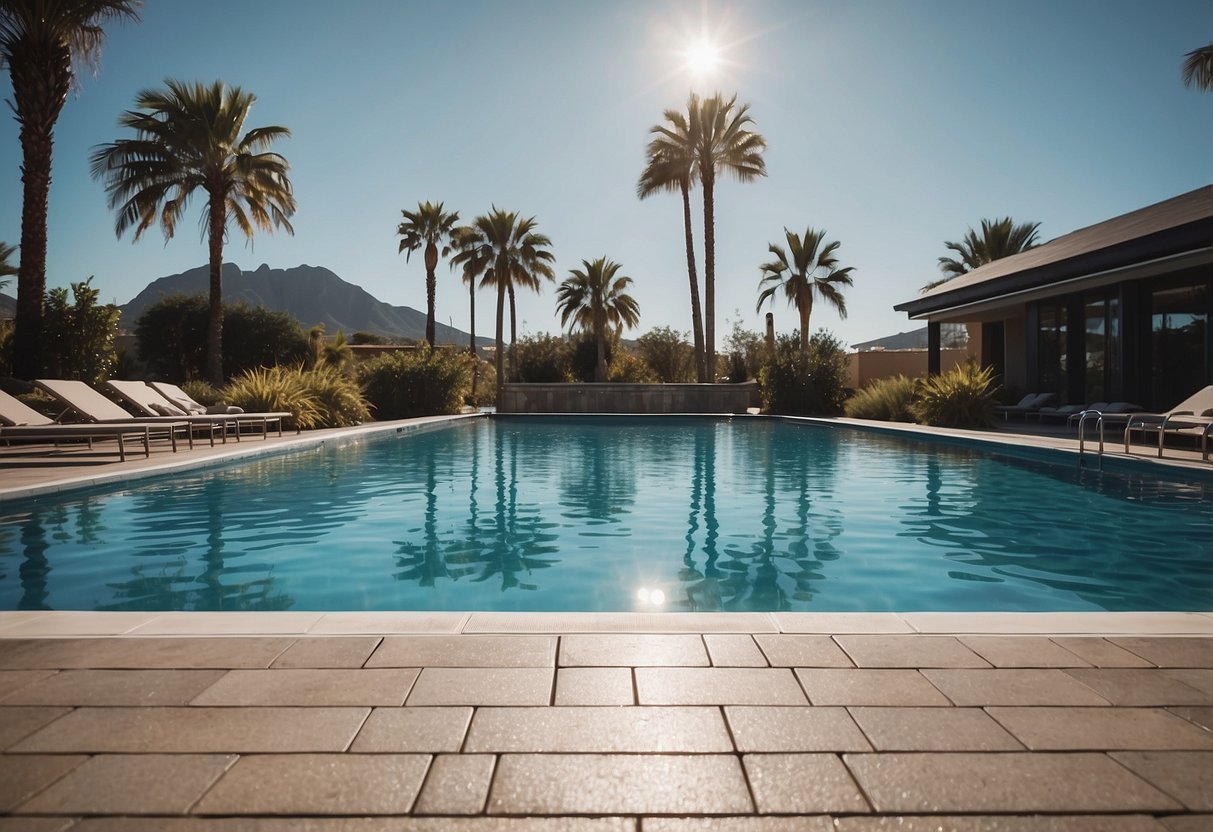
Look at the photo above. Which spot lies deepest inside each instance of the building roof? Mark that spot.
(1175, 226)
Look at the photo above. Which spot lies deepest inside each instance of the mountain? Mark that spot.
(951, 335)
(8, 307)
(310, 294)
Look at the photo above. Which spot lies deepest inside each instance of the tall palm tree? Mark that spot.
(6, 268)
(188, 138)
(428, 226)
(806, 270)
(594, 298)
(999, 238)
(672, 165)
(506, 250)
(39, 42)
(462, 239)
(1198, 68)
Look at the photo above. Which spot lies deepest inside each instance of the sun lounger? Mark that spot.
(18, 421)
(149, 401)
(182, 399)
(1066, 411)
(78, 397)
(1194, 415)
(1028, 404)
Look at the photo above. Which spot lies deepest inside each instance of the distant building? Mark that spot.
(1117, 311)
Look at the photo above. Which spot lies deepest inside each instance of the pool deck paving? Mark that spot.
(628, 722)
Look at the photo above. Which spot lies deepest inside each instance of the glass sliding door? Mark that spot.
(1051, 351)
(1179, 319)
(1101, 341)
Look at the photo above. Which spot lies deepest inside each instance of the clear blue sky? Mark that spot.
(893, 124)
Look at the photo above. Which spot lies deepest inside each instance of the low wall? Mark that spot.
(868, 366)
(627, 398)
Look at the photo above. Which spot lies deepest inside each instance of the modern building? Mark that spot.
(1117, 311)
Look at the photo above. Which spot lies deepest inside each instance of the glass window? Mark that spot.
(1178, 324)
(1101, 339)
(1051, 351)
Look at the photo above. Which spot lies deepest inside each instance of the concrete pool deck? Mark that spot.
(636, 722)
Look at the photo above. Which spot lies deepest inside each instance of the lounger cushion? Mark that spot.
(166, 409)
(224, 410)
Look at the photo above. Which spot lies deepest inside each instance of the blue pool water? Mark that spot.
(619, 514)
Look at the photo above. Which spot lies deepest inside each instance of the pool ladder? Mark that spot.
(1082, 429)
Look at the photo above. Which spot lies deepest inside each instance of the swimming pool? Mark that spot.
(616, 514)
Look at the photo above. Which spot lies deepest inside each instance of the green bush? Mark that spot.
(744, 354)
(323, 398)
(583, 355)
(423, 382)
(78, 336)
(483, 391)
(543, 359)
(203, 392)
(959, 398)
(626, 368)
(668, 353)
(811, 383)
(888, 399)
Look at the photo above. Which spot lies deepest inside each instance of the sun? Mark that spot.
(702, 58)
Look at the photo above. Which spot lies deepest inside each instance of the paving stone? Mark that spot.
(319, 784)
(413, 730)
(21, 777)
(116, 687)
(933, 729)
(457, 784)
(595, 686)
(17, 723)
(803, 784)
(197, 730)
(717, 686)
(379, 824)
(1185, 775)
(802, 651)
(1022, 651)
(598, 730)
(378, 623)
(1200, 679)
(1139, 687)
(804, 823)
(869, 687)
(733, 650)
(1000, 823)
(11, 680)
(1100, 652)
(483, 686)
(1170, 652)
(1202, 716)
(30, 824)
(334, 652)
(633, 650)
(310, 687)
(975, 783)
(833, 623)
(145, 653)
(1012, 687)
(1187, 823)
(908, 651)
(549, 784)
(134, 784)
(465, 651)
(1100, 729)
(775, 728)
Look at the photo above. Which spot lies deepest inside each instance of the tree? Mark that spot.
(806, 270)
(594, 298)
(188, 138)
(40, 40)
(668, 355)
(999, 238)
(6, 268)
(672, 165)
(725, 146)
(506, 250)
(461, 239)
(1198, 68)
(78, 335)
(428, 226)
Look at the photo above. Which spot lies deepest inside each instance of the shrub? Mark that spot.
(959, 398)
(78, 337)
(338, 398)
(484, 393)
(543, 359)
(421, 383)
(322, 398)
(203, 392)
(626, 368)
(669, 355)
(583, 355)
(811, 383)
(889, 399)
(745, 351)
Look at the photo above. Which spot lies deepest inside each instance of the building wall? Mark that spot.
(866, 367)
(1015, 330)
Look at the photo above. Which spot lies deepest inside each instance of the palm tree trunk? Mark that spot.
(500, 356)
(600, 368)
(431, 289)
(513, 335)
(805, 311)
(214, 327)
(709, 275)
(472, 337)
(701, 374)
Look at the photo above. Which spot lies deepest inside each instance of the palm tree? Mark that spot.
(428, 226)
(39, 42)
(594, 298)
(463, 238)
(671, 165)
(805, 271)
(999, 238)
(506, 251)
(1198, 68)
(727, 146)
(188, 138)
(6, 268)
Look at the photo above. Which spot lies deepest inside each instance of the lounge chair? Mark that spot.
(1066, 411)
(18, 421)
(1194, 416)
(183, 400)
(149, 401)
(79, 398)
(1028, 404)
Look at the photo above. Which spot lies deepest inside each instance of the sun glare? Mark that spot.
(702, 58)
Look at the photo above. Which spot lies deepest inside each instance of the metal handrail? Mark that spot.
(1082, 426)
